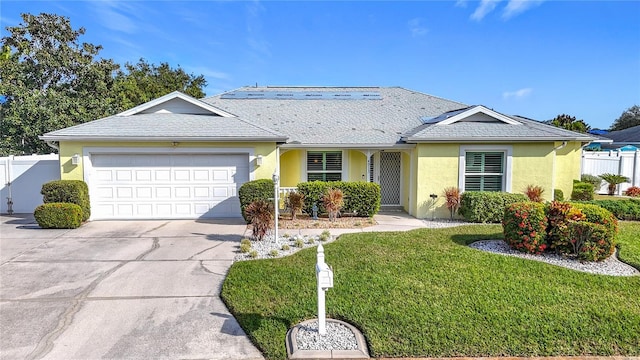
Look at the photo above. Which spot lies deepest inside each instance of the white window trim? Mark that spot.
(506, 149)
(343, 172)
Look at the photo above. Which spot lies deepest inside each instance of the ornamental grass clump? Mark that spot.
(333, 200)
(534, 193)
(452, 199)
(524, 227)
(259, 213)
(296, 203)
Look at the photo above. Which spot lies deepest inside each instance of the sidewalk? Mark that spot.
(386, 221)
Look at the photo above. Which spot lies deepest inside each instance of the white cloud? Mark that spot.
(207, 72)
(417, 28)
(113, 15)
(485, 7)
(461, 3)
(256, 41)
(516, 7)
(518, 94)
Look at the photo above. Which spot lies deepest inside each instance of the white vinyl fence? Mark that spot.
(22, 178)
(626, 163)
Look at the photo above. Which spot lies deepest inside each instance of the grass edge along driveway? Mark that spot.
(425, 293)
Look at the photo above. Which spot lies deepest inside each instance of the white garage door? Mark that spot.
(166, 186)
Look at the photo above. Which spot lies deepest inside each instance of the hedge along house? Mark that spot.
(179, 157)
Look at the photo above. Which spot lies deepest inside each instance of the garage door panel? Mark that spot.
(164, 210)
(124, 193)
(162, 175)
(144, 210)
(167, 185)
(144, 192)
(143, 175)
(125, 209)
(182, 175)
(201, 175)
(182, 192)
(201, 192)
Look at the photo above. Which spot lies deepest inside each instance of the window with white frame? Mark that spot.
(484, 171)
(324, 165)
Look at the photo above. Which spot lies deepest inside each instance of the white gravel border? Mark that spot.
(264, 247)
(610, 266)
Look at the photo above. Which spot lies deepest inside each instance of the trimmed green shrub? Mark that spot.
(599, 215)
(590, 241)
(59, 215)
(594, 180)
(360, 198)
(621, 209)
(68, 191)
(582, 191)
(558, 195)
(262, 189)
(524, 227)
(487, 206)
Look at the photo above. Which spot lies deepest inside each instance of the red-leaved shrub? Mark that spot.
(633, 191)
(560, 215)
(524, 227)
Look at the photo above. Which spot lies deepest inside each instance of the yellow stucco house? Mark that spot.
(180, 157)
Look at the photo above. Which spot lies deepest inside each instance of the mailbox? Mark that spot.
(325, 276)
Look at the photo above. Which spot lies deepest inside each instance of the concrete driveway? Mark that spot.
(126, 289)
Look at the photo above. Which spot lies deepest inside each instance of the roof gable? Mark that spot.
(176, 103)
(478, 114)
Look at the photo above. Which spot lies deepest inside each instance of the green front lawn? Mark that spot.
(424, 293)
(629, 243)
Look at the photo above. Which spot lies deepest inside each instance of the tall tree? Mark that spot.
(50, 81)
(141, 82)
(629, 118)
(570, 123)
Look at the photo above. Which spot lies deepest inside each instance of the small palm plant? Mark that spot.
(613, 181)
(260, 215)
(452, 198)
(296, 203)
(333, 200)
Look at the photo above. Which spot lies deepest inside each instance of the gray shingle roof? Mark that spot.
(396, 116)
(167, 126)
(529, 130)
(629, 136)
(339, 122)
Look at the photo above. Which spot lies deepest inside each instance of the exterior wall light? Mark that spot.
(259, 160)
(75, 159)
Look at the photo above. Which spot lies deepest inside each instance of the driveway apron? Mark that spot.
(125, 289)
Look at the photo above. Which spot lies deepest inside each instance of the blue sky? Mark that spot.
(529, 57)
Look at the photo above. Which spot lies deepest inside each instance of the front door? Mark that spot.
(390, 178)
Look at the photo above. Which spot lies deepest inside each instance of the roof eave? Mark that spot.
(417, 140)
(347, 146)
(163, 138)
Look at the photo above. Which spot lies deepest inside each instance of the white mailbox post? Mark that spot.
(324, 275)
